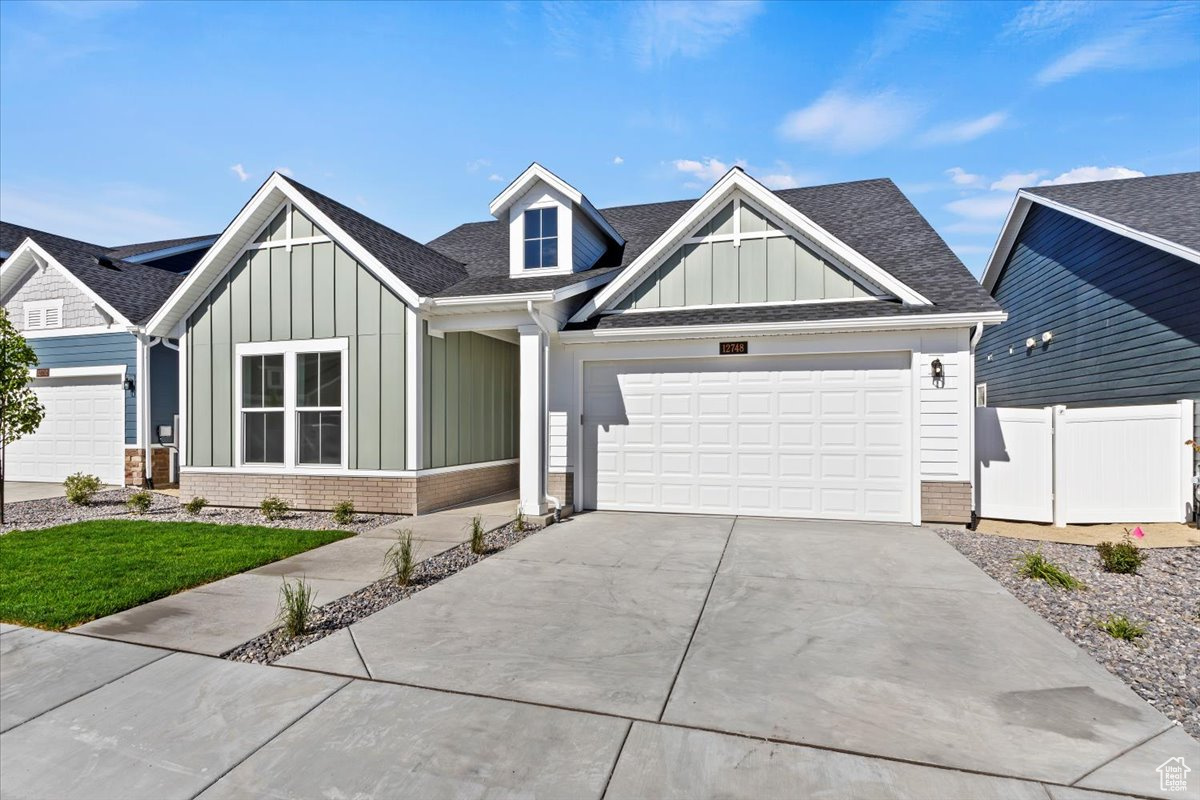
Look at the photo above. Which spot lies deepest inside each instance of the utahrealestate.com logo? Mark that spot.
(1172, 775)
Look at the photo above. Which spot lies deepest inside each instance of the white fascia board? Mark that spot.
(923, 322)
(166, 252)
(28, 254)
(463, 302)
(737, 179)
(536, 172)
(222, 256)
(1004, 243)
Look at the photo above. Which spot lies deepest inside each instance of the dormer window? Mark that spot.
(541, 238)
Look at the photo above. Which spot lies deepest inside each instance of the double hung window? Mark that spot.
(541, 238)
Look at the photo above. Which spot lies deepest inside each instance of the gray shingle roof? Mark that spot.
(135, 290)
(1167, 206)
(423, 269)
(138, 248)
(873, 217)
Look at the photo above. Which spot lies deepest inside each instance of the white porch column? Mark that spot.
(533, 419)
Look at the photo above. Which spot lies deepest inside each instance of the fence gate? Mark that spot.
(1065, 465)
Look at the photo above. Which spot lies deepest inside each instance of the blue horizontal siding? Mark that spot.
(1123, 314)
(101, 349)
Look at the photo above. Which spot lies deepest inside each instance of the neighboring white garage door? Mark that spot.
(813, 436)
(83, 431)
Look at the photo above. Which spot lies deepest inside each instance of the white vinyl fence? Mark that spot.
(1064, 465)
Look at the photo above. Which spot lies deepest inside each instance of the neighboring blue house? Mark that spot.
(106, 386)
(1101, 282)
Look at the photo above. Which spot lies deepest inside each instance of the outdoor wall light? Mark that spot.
(130, 385)
(1046, 337)
(938, 371)
(1030, 342)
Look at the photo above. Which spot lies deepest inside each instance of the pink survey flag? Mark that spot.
(1138, 533)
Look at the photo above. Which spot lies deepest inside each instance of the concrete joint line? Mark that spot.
(700, 616)
(1127, 750)
(616, 759)
(270, 739)
(358, 652)
(89, 691)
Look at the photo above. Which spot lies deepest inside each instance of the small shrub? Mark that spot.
(399, 558)
(477, 546)
(1122, 557)
(195, 505)
(140, 502)
(343, 513)
(520, 520)
(81, 488)
(1036, 566)
(296, 606)
(273, 508)
(1120, 627)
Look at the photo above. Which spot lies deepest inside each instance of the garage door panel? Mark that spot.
(83, 431)
(824, 436)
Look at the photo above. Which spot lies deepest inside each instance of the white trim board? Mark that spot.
(105, 370)
(256, 469)
(1020, 210)
(737, 180)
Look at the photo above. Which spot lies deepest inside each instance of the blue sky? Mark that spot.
(122, 121)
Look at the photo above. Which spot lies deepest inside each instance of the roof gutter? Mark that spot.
(927, 322)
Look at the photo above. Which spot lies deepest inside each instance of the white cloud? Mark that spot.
(709, 170)
(89, 10)
(240, 171)
(478, 164)
(970, 228)
(1015, 180)
(1046, 18)
(908, 21)
(1146, 36)
(963, 178)
(494, 178)
(851, 123)
(982, 207)
(780, 180)
(1085, 174)
(965, 130)
(618, 160)
(688, 28)
(284, 171)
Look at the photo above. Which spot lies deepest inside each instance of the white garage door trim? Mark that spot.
(772, 416)
(83, 430)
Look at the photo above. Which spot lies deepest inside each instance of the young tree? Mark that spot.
(20, 411)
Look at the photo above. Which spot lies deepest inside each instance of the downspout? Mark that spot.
(537, 319)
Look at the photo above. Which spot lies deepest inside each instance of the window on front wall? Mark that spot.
(262, 409)
(319, 408)
(292, 405)
(541, 238)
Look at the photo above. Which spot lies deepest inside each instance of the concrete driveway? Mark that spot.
(618, 656)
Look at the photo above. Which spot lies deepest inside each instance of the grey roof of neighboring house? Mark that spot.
(135, 290)
(424, 269)
(873, 217)
(1166, 206)
(139, 248)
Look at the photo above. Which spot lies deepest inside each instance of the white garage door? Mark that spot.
(83, 431)
(814, 436)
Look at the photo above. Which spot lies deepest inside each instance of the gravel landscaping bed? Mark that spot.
(36, 514)
(343, 612)
(1163, 666)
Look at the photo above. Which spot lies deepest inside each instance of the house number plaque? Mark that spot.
(733, 348)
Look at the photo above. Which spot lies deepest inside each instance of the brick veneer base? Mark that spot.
(135, 463)
(561, 486)
(946, 501)
(388, 495)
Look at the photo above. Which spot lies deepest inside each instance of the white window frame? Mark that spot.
(557, 237)
(289, 350)
(981, 392)
(41, 307)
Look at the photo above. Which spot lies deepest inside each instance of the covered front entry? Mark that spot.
(789, 436)
(83, 431)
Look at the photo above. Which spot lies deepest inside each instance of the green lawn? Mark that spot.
(64, 576)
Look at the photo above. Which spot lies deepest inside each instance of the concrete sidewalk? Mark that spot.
(218, 616)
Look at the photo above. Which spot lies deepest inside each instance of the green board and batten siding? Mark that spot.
(315, 291)
(471, 399)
